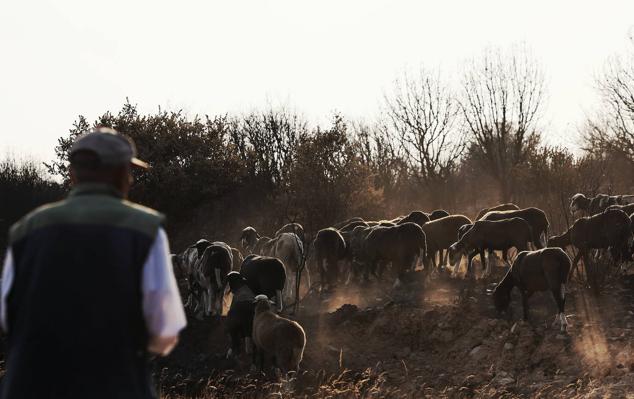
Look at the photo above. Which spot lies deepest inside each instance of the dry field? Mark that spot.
(440, 339)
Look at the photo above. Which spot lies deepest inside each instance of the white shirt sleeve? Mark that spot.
(7, 281)
(162, 305)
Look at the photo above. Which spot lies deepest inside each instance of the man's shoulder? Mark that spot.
(37, 217)
(144, 213)
(95, 211)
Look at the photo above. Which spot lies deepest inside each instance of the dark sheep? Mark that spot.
(441, 233)
(609, 229)
(239, 321)
(437, 214)
(501, 207)
(201, 245)
(628, 209)
(597, 204)
(535, 271)
(491, 236)
(215, 264)
(330, 249)
(417, 217)
(535, 217)
(277, 338)
(402, 245)
(265, 276)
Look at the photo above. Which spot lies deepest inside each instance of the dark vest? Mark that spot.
(74, 311)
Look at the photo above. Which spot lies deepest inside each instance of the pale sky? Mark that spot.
(60, 59)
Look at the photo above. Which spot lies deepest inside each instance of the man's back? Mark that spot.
(75, 310)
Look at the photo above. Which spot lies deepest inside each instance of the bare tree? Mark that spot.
(613, 128)
(502, 98)
(421, 115)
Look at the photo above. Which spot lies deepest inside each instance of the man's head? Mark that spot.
(104, 156)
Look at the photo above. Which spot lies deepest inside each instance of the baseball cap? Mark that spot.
(110, 147)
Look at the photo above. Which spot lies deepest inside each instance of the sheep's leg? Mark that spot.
(525, 296)
(485, 264)
(248, 345)
(575, 264)
(560, 299)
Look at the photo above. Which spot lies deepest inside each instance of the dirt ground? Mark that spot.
(441, 338)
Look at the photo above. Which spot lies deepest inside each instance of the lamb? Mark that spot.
(535, 217)
(239, 322)
(609, 229)
(440, 234)
(265, 276)
(491, 235)
(534, 271)
(330, 249)
(501, 207)
(277, 338)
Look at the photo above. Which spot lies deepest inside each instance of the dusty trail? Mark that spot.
(441, 340)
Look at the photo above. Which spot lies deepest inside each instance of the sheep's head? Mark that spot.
(556, 241)
(455, 253)
(248, 238)
(578, 202)
(235, 281)
(262, 303)
(502, 296)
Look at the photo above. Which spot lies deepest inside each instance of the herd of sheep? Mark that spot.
(357, 250)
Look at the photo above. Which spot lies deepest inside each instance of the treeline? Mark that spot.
(435, 145)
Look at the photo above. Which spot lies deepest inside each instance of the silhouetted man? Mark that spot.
(88, 288)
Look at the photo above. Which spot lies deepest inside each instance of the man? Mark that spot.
(88, 288)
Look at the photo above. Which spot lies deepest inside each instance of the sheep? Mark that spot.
(239, 321)
(295, 228)
(417, 217)
(330, 249)
(355, 240)
(489, 235)
(265, 276)
(609, 229)
(253, 243)
(628, 209)
(402, 245)
(437, 214)
(441, 233)
(535, 217)
(237, 259)
(215, 264)
(501, 207)
(597, 204)
(534, 271)
(277, 338)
